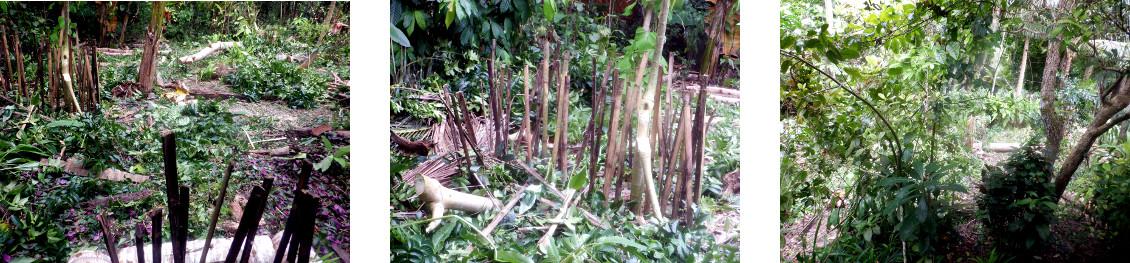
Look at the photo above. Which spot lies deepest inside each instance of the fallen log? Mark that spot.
(281, 151)
(207, 51)
(115, 51)
(1002, 147)
(441, 198)
(124, 198)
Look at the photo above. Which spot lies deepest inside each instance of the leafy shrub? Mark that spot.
(300, 88)
(1111, 193)
(1019, 201)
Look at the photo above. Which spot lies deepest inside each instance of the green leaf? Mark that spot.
(549, 9)
(324, 164)
(512, 256)
(578, 180)
(789, 41)
(450, 14)
(621, 241)
(628, 10)
(420, 19)
(67, 123)
(399, 37)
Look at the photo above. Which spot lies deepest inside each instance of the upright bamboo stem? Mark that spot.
(613, 133)
(524, 132)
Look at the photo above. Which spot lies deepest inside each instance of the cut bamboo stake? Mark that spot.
(156, 228)
(139, 240)
(20, 62)
(245, 222)
(524, 132)
(698, 137)
(613, 133)
(7, 60)
(218, 203)
(598, 130)
(108, 236)
(560, 136)
(682, 200)
(172, 188)
(545, 72)
(254, 228)
(673, 156)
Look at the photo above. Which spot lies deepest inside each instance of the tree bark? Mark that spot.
(1053, 123)
(147, 71)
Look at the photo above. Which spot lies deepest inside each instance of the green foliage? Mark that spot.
(333, 155)
(1020, 200)
(300, 88)
(1111, 192)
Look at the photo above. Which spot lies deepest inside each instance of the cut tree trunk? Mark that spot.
(440, 198)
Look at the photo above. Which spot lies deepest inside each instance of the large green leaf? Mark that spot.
(621, 241)
(512, 256)
(399, 37)
(549, 9)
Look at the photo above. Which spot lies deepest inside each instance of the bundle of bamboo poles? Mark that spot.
(66, 77)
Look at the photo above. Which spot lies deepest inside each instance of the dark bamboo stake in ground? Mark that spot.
(172, 190)
(217, 204)
(108, 236)
(139, 241)
(254, 228)
(250, 210)
(156, 217)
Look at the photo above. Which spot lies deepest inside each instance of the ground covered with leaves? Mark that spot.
(270, 118)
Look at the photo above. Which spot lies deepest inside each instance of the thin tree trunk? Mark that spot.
(66, 59)
(1023, 66)
(122, 33)
(644, 140)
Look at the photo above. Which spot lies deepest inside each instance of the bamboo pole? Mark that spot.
(613, 133)
(20, 62)
(524, 132)
(218, 203)
(545, 72)
(8, 84)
